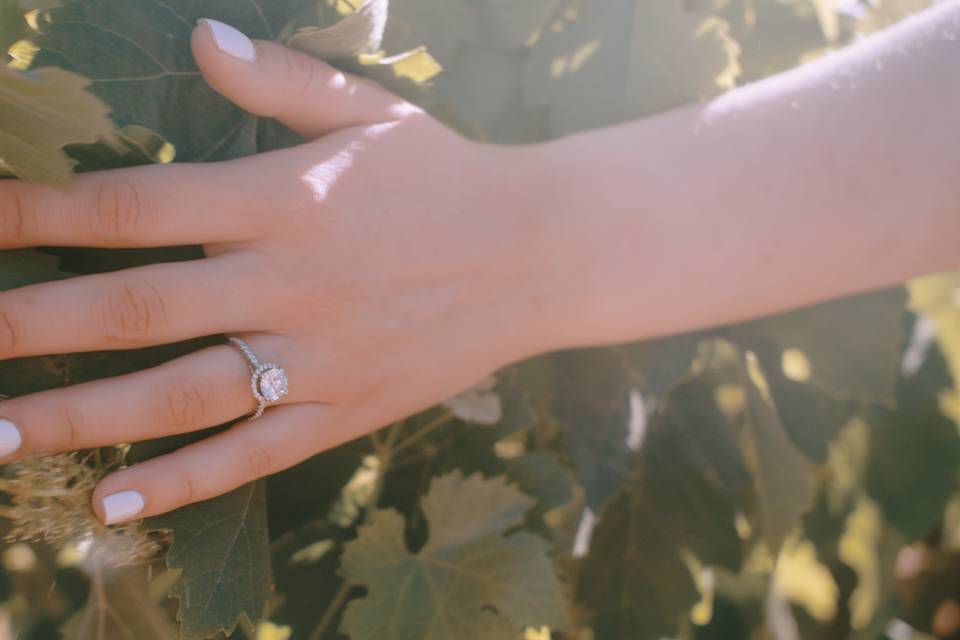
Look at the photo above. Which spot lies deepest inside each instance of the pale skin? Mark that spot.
(385, 284)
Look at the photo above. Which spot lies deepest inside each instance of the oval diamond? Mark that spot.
(273, 384)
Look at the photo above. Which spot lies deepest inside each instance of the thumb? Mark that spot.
(270, 80)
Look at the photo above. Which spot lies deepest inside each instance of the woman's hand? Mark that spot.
(378, 264)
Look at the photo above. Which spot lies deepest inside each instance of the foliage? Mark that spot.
(792, 475)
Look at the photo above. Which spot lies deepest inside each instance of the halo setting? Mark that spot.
(268, 381)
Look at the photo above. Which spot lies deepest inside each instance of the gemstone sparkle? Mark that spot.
(273, 384)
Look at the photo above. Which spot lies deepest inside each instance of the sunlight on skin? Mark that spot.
(828, 157)
(420, 262)
(323, 177)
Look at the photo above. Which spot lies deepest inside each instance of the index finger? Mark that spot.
(152, 206)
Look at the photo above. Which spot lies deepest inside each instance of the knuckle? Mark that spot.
(10, 333)
(302, 71)
(187, 404)
(132, 311)
(69, 429)
(186, 491)
(257, 461)
(15, 214)
(119, 209)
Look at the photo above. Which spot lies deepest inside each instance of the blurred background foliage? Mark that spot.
(793, 477)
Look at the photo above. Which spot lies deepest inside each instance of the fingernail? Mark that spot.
(230, 41)
(122, 506)
(10, 438)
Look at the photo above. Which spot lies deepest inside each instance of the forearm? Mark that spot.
(838, 177)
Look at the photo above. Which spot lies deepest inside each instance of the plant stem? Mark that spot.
(392, 438)
(385, 451)
(418, 435)
(338, 601)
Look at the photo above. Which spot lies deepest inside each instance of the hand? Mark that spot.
(379, 264)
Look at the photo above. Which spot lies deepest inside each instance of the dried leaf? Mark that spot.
(41, 112)
(359, 32)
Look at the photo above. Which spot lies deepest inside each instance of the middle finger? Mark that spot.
(144, 306)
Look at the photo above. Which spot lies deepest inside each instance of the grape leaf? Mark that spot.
(42, 111)
(139, 59)
(119, 607)
(40, 5)
(782, 476)
(513, 25)
(305, 560)
(914, 452)
(635, 578)
(12, 25)
(468, 581)
(606, 62)
(774, 35)
(20, 267)
(937, 297)
(592, 405)
(222, 547)
(845, 356)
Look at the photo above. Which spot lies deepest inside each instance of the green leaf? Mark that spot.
(852, 344)
(915, 452)
(540, 475)
(120, 607)
(662, 363)
(222, 547)
(513, 24)
(306, 560)
(782, 476)
(606, 62)
(468, 581)
(41, 112)
(594, 402)
(21, 267)
(359, 32)
(634, 579)
(12, 25)
(935, 298)
(677, 503)
(139, 59)
(774, 35)
(41, 5)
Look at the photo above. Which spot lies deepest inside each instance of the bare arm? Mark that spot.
(384, 286)
(838, 177)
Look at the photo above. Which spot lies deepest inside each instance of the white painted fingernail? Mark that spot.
(10, 438)
(230, 41)
(122, 506)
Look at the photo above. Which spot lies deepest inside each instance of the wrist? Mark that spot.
(553, 282)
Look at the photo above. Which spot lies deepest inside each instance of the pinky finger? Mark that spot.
(283, 437)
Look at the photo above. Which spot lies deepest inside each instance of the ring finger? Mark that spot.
(200, 390)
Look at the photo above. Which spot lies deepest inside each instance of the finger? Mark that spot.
(197, 391)
(138, 207)
(283, 437)
(268, 79)
(145, 306)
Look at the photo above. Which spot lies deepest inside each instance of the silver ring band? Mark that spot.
(268, 382)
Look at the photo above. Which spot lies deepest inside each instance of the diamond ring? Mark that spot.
(269, 381)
